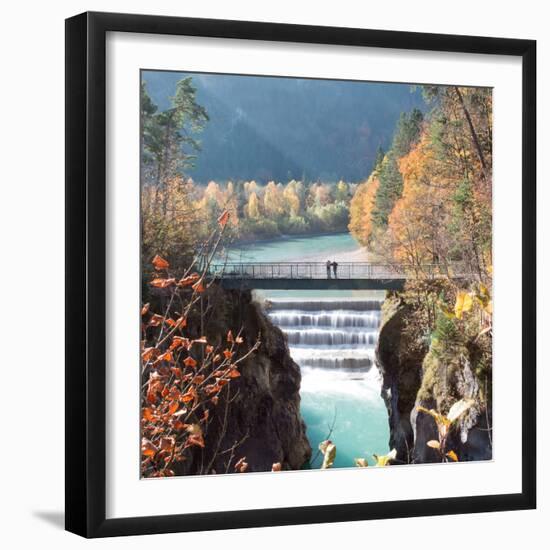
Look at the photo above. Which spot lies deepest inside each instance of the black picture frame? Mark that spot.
(86, 276)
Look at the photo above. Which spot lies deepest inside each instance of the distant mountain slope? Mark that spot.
(266, 128)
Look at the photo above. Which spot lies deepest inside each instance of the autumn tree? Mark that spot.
(170, 230)
(168, 147)
(444, 213)
(433, 201)
(341, 193)
(274, 200)
(361, 208)
(253, 207)
(292, 199)
(391, 182)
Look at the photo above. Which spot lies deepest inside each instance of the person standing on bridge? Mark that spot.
(335, 267)
(328, 269)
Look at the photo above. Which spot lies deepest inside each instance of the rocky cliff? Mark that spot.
(419, 372)
(260, 416)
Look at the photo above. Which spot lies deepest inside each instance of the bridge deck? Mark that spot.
(315, 275)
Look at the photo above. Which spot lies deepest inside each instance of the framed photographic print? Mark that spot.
(300, 274)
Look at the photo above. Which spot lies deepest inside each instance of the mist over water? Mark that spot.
(332, 336)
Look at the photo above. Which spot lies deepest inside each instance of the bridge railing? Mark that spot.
(318, 270)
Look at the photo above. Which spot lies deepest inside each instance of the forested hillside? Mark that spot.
(281, 129)
(428, 199)
(408, 173)
(427, 208)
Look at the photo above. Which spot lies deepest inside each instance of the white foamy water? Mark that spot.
(333, 340)
(339, 318)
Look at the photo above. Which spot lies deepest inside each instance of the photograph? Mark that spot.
(291, 267)
(316, 274)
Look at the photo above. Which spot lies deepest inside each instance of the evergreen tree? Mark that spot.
(379, 158)
(406, 136)
(389, 190)
(407, 133)
(168, 137)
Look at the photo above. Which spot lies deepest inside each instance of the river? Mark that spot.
(332, 337)
(341, 247)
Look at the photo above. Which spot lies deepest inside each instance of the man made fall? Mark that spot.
(316, 274)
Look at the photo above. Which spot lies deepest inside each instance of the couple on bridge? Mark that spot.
(334, 266)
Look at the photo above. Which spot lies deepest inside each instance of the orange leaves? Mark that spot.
(149, 353)
(162, 283)
(180, 323)
(180, 385)
(241, 465)
(156, 320)
(155, 385)
(189, 280)
(224, 218)
(452, 455)
(227, 374)
(233, 373)
(177, 372)
(199, 286)
(147, 413)
(147, 448)
(167, 443)
(180, 342)
(195, 436)
(190, 395)
(167, 356)
(173, 407)
(212, 388)
(234, 339)
(160, 263)
(190, 362)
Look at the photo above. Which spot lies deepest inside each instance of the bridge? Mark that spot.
(314, 275)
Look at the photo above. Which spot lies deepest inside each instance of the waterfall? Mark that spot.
(329, 334)
(326, 305)
(333, 341)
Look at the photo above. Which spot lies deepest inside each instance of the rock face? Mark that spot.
(263, 416)
(470, 438)
(399, 355)
(413, 376)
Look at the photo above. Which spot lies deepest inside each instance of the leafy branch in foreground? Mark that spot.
(379, 460)
(328, 450)
(183, 377)
(444, 424)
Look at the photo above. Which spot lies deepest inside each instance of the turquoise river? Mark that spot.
(332, 337)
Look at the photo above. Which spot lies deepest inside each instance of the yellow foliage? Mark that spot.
(361, 208)
(463, 303)
(328, 449)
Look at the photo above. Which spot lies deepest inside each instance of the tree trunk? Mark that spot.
(475, 139)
